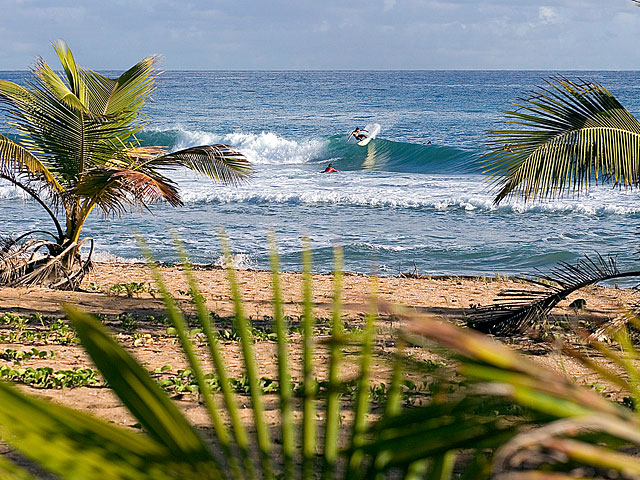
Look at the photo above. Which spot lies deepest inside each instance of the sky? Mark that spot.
(326, 34)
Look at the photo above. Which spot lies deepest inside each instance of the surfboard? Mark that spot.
(373, 131)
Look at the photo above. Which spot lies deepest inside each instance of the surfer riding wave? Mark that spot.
(358, 134)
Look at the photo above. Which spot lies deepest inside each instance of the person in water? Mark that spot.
(330, 169)
(358, 135)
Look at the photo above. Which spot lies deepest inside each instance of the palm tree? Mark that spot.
(571, 134)
(76, 150)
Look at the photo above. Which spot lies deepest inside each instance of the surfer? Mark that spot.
(358, 135)
(330, 169)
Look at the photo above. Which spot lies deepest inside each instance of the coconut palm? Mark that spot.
(570, 135)
(76, 150)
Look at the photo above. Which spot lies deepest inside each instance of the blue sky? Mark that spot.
(327, 34)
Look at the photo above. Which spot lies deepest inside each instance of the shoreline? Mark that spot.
(113, 288)
(198, 266)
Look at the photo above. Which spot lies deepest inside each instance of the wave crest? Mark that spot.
(380, 154)
(260, 148)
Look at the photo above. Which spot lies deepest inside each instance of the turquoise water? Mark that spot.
(398, 204)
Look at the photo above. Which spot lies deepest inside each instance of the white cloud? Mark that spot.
(389, 4)
(322, 27)
(547, 15)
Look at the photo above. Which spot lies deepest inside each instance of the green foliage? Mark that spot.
(18, 356)
(131, 288)
(76, 149)
(46, 377)
(496, 406)
(569, 133)
(53, 331)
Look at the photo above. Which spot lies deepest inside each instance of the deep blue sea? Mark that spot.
(397, 205)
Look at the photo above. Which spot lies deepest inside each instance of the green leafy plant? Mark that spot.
(56, 331)
(47, 377)
(18, 356)
(76, 150)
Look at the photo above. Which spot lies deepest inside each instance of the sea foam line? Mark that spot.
(260, 148)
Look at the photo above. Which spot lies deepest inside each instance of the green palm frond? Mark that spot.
(160, 417)
(89, 92)
(82, 122)
(71, 70)
(19, 161)
(220, 162)
(113, 189)
(64, 138)
(128, 93)
(57, 87)
(77, 445)
(571, 133)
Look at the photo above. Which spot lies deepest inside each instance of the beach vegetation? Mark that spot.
(131, 288)
(47, 377)
(75, 150)
(19, 356)
(479, 411)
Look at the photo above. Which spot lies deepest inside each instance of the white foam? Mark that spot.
(102, 256)
(297, 185)
(241, 261)
(8, 190)
(261, 148)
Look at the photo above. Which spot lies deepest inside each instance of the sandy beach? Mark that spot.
(137, 321)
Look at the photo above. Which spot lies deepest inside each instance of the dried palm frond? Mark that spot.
(517, 309)
(37, 261)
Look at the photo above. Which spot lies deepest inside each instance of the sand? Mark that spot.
(445, 298)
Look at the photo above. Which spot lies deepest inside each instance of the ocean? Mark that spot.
(397, 205)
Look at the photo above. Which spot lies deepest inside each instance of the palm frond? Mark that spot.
(77, 445)
(522, 307)
(57, 87)
(435, 429)
(114, 189)
(71, 69)
(16, 160)
(64, 138)
(128, 93)
(220, 162)
(137, 390)
(72, 124)
(571, 133)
